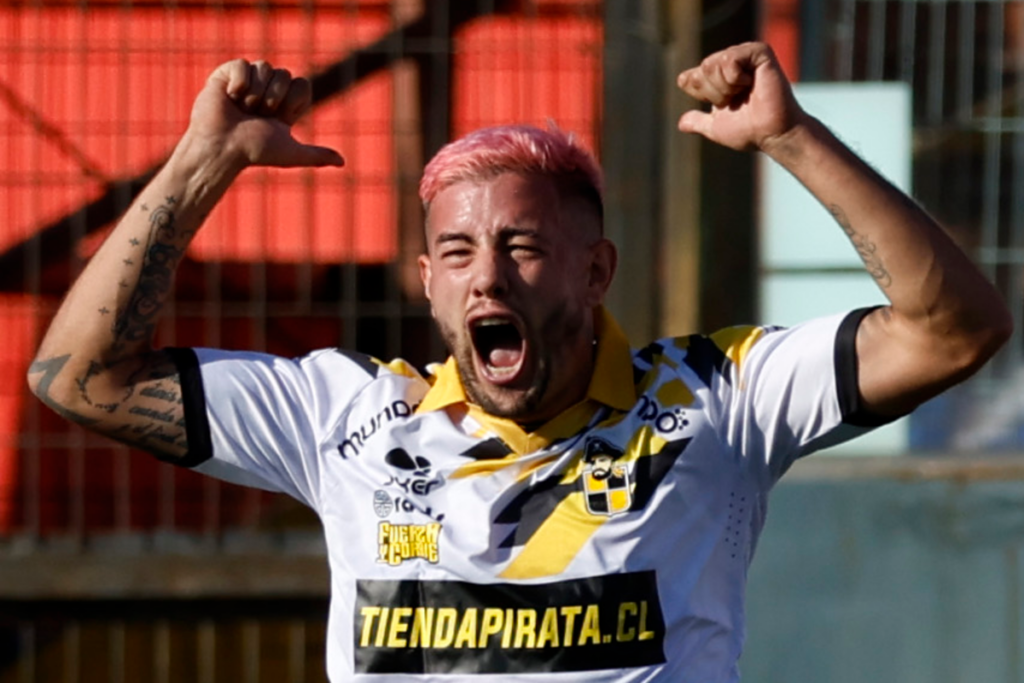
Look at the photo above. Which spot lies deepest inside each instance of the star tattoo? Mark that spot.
(134, 242)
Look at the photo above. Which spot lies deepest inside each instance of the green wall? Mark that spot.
(910, 574)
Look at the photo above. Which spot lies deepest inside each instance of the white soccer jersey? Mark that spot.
(611, 544)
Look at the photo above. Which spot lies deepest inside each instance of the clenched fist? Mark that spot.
(752, 104)
(246, 111)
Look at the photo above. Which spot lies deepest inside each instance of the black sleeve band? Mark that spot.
(197, 425)
(851, 404)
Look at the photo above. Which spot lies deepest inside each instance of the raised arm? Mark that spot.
(96, 365)
(945, 320)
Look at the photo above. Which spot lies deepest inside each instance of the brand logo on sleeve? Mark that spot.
(439, 627)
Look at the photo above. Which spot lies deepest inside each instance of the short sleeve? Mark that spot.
(787, 392)
(258, 420)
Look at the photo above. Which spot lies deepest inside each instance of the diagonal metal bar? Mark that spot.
(54, 242)
(50, 132)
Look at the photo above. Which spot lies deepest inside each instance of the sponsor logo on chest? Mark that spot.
(441, 627)
(397, 543)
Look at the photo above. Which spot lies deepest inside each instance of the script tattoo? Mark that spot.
(136, 321)
(866, 249)
(152, 395)
(157, 423)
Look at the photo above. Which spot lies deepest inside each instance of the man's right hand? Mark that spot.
(97, 365)
(246, 111)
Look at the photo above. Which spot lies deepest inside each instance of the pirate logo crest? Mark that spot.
(606, 484)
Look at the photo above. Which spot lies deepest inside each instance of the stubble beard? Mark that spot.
(514, 404)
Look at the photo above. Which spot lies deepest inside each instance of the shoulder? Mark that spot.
(325, 376)
(705, 355)
(358, 365)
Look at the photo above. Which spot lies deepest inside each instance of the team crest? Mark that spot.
(607, 488)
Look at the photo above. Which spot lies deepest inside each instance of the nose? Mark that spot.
(490, 275)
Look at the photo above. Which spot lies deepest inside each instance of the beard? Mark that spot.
(513, 404)
(557, 332)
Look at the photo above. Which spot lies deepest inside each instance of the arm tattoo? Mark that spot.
(866, 249)
(168, 395)
(153, 421)
(50, 368)
(140, 403)
(83, 388)
(137, 321)
(156, 426)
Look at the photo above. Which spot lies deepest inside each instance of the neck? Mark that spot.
(574, 392)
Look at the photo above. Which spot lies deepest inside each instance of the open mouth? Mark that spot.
(500, 347)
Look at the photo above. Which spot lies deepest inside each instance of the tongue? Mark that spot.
(504, 356)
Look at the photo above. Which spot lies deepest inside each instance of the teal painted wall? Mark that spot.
(905, 575)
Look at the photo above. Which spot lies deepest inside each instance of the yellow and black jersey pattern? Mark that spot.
(610, 544)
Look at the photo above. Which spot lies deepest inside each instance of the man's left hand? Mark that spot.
(752, 104)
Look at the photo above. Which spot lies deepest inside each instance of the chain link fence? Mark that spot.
(116, 567)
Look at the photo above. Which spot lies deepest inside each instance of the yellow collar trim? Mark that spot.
(610, 385)
(612, 381)
(446, 389)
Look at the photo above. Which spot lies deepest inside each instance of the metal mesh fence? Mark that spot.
(93, 96)
(965, 64)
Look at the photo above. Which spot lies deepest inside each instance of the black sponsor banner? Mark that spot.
(440, 627)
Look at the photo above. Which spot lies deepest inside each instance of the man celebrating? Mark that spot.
(548, 501)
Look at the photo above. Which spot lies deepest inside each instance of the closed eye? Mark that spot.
(525, 249)
(455, 254)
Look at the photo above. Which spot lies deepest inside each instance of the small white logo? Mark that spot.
(382, 503)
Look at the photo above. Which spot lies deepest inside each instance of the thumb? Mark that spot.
(314, 155)
(695, 121)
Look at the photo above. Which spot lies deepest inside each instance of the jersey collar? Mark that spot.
(610, 385)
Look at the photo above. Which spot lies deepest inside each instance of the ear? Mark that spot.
(604, 257)
(424, 263)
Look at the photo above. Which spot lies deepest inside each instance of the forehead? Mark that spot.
(504, 201)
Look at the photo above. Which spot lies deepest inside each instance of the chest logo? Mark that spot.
(382, 504)
(397, 543)
(607, 485)
(413, 473)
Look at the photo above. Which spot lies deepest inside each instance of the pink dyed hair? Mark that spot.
(488, 152)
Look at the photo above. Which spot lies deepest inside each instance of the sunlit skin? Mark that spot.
(512, 248)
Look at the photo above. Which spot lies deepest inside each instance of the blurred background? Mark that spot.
(897, 557)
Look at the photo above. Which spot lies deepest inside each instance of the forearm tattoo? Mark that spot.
(146, 410)
(866, 249)
(136, 321)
